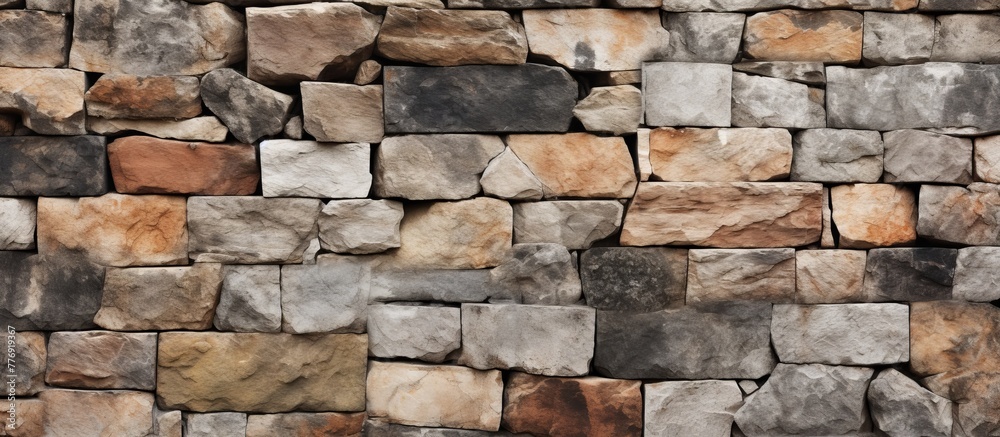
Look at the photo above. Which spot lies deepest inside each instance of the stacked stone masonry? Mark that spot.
(468, 218)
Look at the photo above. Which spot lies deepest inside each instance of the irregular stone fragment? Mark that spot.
(452, 37)
(115, 229)
(721, 275)
(704, 89)
(634, 279)
(478, 98)
(792, 35)
(987, 158)
(837, 155)
(328, 296)
(315, 41)
(369, 71)
(719, 214)
(343, 112)
(29, 419)
(111, 36)
(360, 226)
(53, 166)
(976, 277)
(469, 234)
(130, 96)
(809, 73)
(539, 274)
(897, 38)
(102, 359)
(211, 371)
(61, 6)
(33, 39)
(294, 128)
(725, 340)
(827, 240)
(50, 101)
(910, 274)
(160, 298)
(522, 4)
(615, 78)
(507, 177)
(964, 215)
(761, 5)
(251, 230)
(781, 406)
(30, 357)
(596, 39)
(720, 155)
(250, 299)
(748, 386)
(829, 276)
(966, 38)
(216, 425)
(615, 109)
(547, 406)
(423, 395)
(551, 340)
(920, 156)
(142, 165)
(312, 169)
(167, 423)
(860, 334)
(577, 164)
(704, 37)
(391, 284)
(422, 167)
(206, 128)
(770, 102)
(54, 292)
(418, 332)
(250, 110)
(576, 224)
(305, 424)
(17, 224)
(97, 413)
(874, 215)
(703, 408)
(901, 407)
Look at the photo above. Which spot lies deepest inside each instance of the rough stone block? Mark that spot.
(987, 158)
(614, 109)
(829, 276)
(423, 167)
(360, 226)
(317, 424)
(408, 284)
(977, 278)
(860, 334)
(634, 279)
(538, 274)
(507, 177)
(719, 155)
(577, 164)
(522, 4)
(17, 224)
(722, 275)
(452, 37)
(51, 292)
(49, 100)
(419, 332)
(963, 215)
(966, 38)
(542, 405)
(770, 102)
(141, 165)
(250, 110)
(687, 94)
(251, 230)
(791, 35)
(208, 128)
(762, 5)
(30, 358)
(897, 38)
(920, 156)
(250, 299)
(900, 406)
(703, 408)
(704, 37)
(33, 39)
(874, 215)
(837, 155)
(468, 234)
(809, 73)
(215, 425)
(97, 413)
(576, 224)
(52, 166)
(329, 296)
(160, 298)
(102, 359)
(342, 112)
(311, 169)
(910, 274)
(129, 96)
(596, 39)
(61, 6)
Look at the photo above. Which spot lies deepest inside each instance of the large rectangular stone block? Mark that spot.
(721, 275)
(851, 334)
(963, 215)
(251, 230)
(53, 166)
(687, 94)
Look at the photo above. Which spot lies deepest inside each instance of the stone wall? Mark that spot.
(497, 217)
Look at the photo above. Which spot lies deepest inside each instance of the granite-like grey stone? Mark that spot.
(311, 169)
(538, 274)
(704, 37)
(576, 224)
(964, 215)
(53, 166)
(771, 102)
(419, 332)
(250, 300)
(897, 38)
(360, 226)
(901, 407)
(329, 296)
(33, 39)
(691, 408)
(423, 167)
(216, 425)
(687, 94)
(250, 110)
(810, 73)
(920, 156)
(977, 278)
(966, 38)
(837, 155)
(860, 334)
(910, 274)
(722, 275)
(634, 279)
(49, 292)
(251, 230)
(17, 224)
(102, 360)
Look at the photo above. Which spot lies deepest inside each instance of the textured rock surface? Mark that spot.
(215, 424)
(450, 37)
(577, 164)
(478, 98)
(54, 292)
(160, 298)
(574, 224)
(538, 274)
(790, 35)
(421, 167)
(206, 128)
(976, 276)
(250, 299)
(224, 372)
(720, 155)
(897, 38)
(964, 215)
(707, 341)
(910, 274)
(837, 155)
(129, 96)
(328, 296)
(50, 100)
(702, 408)
(757, 5)
(17, 224)
(469, 234)
(705, 89)
(33, 39)
(102, 359)
(507, 177)
(360, 226)
(422, 395)
(62, 6)
(307, 424)
(847, 334)
(901, 407)
(874, 215)
(312, 169)
(521, 4)
(249, 230)
(987, 158)
(704, 37)
(343, 112)
(965, 38)
(919, 156)
(98, 413)
(720, 275)
(250, 110)
(614, 109)
(141, 165)
(829, 276)
(390, 284)
(53, 166)
(29, 368)
(554, 341)
(541, 405)
(634, 279)
(109, 37)
(115, 229)
(771, 102)
(419, 332)
(809, 73)
(738, 214)
(596, 39)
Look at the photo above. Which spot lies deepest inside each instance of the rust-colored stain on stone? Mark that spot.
(150, 165)
(590, 406)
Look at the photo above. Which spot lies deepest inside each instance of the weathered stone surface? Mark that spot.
(781, 406)
(792, 35)
(29, 420)
(596, 39)
(478, 98)
(167, 423)
(369, 71)
(61, 6)
(771, 102)
(392, 283)
(33, 39)
(965, 38)
(360, 226)
(312, 169)
(957, 5)
(634, 279)
(378, 428)
(615, 78)
(142, 165)
(30, 358)
(860, 334)
(705, 89)
(920, 156)
(837, 155)
(719, 214)
(964, 215)
(206, 371)
(53, 166)
(469, 234)
(901, 407)
(328, 296)
(97, 413)
(251, 230)
(721, 275)
(206, 128)
(419, 332)
(17, 224)
(760, 5)
(115, 229)
(423, 395)
(421, 167)
(102, 359)
(305, 424)
(315, 41)
(976, 276)
(250, 110)
(538, 274)
(54, 292)
(50, 101)
(897, 38)
(343, 112)
(522, 4)
(720, 155)
(111, 36)
(215, 425)
(294, 127)
(987, 158)
(810, 73)
(577, 164)
(452, 37)
(703, 408)
(130, 96)
(826, 239)
(576, 224)
(704, 37)
(874, 215)
(705, 341)
(507, 177)
(910, 274)
(250, 299)
(160, 298)
(829, 276)
(958, 97)
(615, 109)
(551, 340)
(547, 406)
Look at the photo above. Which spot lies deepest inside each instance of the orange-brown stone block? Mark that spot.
(590, 406)
(790, 35)
(150, 165)
(874, 215)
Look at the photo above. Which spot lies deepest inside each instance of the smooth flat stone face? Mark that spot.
(687, 94)
(50, 100)
(597, 39)
(149, 165)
